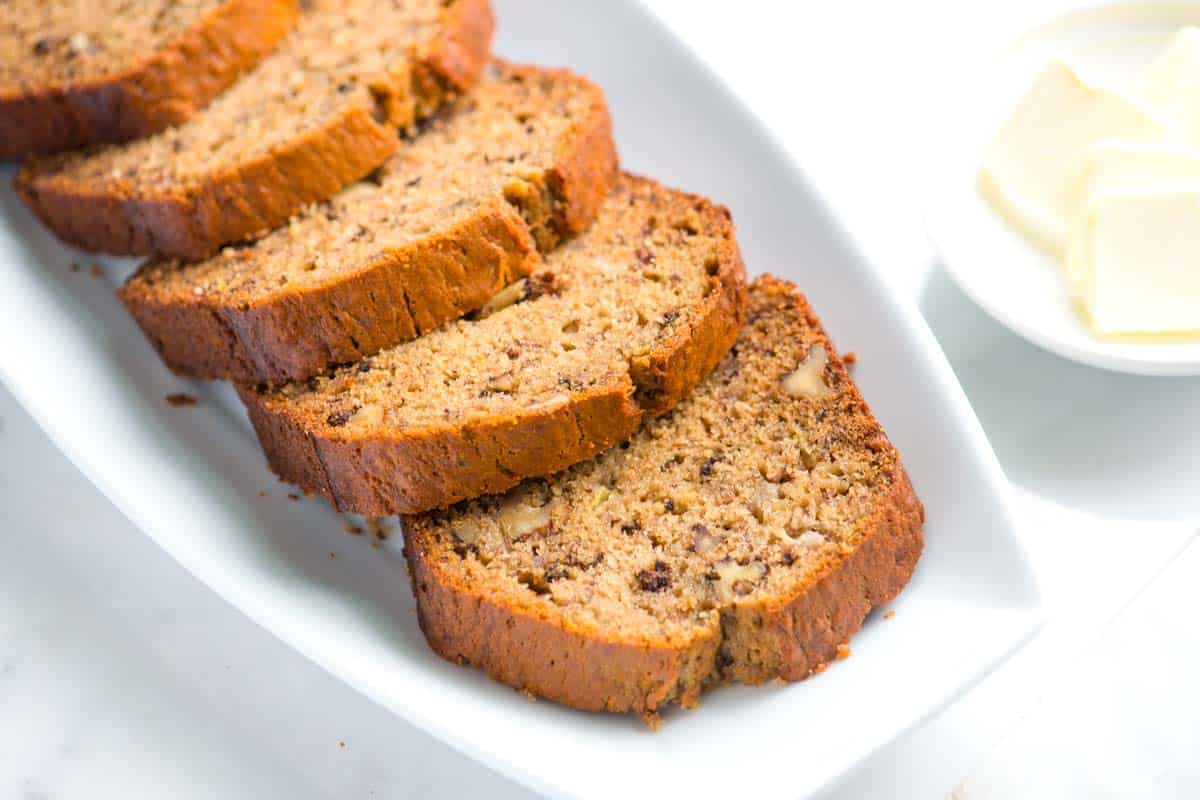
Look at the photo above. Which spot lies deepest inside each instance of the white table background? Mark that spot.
(121, 676)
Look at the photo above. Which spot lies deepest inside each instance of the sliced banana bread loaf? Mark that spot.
(318, 113)
(77, 73)
(526, 157)
(617, 324)
(741, 538)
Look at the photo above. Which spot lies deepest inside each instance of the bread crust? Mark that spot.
(245, 200)
(789, 637)
(434, 467)
(669, 373)
(456, 57)
(162, 88)
(406, 291)
(548, 658)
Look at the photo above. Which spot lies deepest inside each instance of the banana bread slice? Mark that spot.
(526, 157)
(741, 538)
(75, 73)
(618, 324)
(319, 112)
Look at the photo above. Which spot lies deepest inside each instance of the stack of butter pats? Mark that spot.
(1110, 183)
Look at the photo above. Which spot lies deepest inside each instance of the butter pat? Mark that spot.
(1170, 85)
(1035, 168)
(1141, 256)
(1123, 167)
(1117, 164)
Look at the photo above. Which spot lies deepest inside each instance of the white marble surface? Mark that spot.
(123, 677)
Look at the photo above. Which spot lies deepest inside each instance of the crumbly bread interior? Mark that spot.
(628, 283)
(52, 41)
(746, 492)
(342, 54)
(490, 146)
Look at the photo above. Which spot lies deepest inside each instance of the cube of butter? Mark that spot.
(1140, 254)
(1034, 168)
(1125, 166)
(1170, 86)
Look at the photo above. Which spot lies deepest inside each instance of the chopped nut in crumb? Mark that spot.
(831, 478)
(764, 500)
(467, 531)
(704, 540)
(80, 43)
(808, 379)
(369, 416)
(601, 496)
(520, 516)
(732, 578)
(507, 382)
(504, 298)
(810, 538)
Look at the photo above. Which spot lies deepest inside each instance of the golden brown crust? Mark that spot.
(669, 373)
(243, 201)
(293, 335)
(581, 177)
(234, 204)
(807, 632)
(789, 637)
(541, 655)
(162, 89)
(453, 62)
(434, 467)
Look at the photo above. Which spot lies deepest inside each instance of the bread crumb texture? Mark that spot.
(323, 67)
(54, 41)
(520, 162)
(319, 112)
(509, 127)
(620, 322)
(741, 537)
(76, 73)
